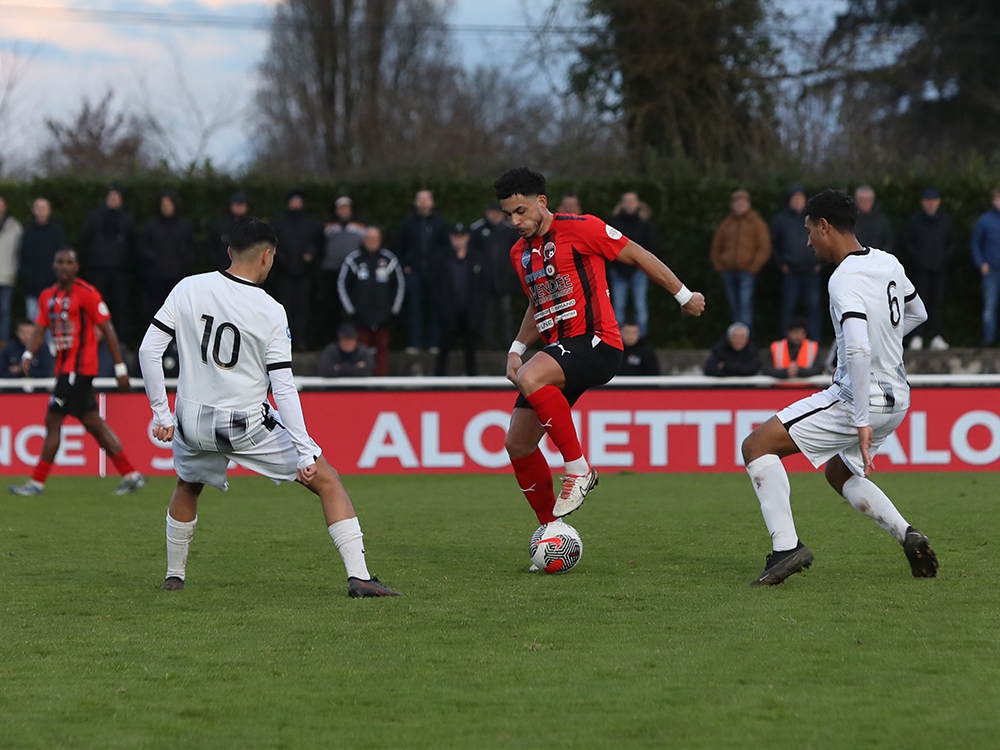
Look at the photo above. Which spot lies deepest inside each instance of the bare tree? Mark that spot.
(180, 123)
(14, 65)
(96, 141)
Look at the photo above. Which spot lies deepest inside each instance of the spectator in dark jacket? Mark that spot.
(300, 238)
(872, 228)
(10, 355)
(109, 256)
(41, 240)
(800, 268)
(371, 287)
(633, 218)
(342, 235)
(421, 246)
(639, 358)
(493, 237)
(167, 251)
(218, 231)
(461, 293)
(735, 354)
(346, 357)
(928, 244)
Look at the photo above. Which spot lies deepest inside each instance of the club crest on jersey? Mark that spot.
(612, 232)
(549, 251)
(526, 258)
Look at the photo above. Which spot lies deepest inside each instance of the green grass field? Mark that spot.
(654, 640)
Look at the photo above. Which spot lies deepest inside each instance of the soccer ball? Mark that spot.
(555, 547)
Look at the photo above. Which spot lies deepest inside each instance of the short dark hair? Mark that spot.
(519, 181)
(249, 232)
(797, 322)
(836, 206)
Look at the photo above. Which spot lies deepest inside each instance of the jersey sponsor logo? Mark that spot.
(534, 276)
(550, 289)
(549, 251)
(526, 258)
(545, 325)
(550, 270)
(555, 309)
(288, 332)
(612, 232)
(566, 315)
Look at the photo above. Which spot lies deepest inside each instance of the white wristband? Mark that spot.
(683, 296)
(121, 370)
(517, 348)
(26, 356)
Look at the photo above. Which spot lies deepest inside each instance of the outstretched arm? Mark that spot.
(692, 303)
(286, 398)
(527, 335)
(111, 339)
(154, 343)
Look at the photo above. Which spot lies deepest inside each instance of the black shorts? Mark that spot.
(74, 395)
(584, 363)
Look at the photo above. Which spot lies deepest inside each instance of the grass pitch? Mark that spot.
(654, 640)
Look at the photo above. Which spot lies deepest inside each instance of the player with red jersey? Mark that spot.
(70, 309)
(561, 261)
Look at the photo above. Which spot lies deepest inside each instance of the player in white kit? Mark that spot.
(233, 345)
(873, 306)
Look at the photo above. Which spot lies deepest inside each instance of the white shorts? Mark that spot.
(820, 425)
(272, 455)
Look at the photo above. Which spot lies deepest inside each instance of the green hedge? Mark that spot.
(686, 210)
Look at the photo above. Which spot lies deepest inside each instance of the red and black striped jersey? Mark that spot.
(563, 273)
(71, 315)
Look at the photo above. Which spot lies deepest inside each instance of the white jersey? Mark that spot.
(230, 334)
(871, 285)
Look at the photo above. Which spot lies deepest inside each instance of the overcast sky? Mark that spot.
(182, 73)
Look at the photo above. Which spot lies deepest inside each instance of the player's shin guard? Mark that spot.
(178, 543)
(865, 497)
(348, 539)
(534, 477)
(770, 482)
(554, 413)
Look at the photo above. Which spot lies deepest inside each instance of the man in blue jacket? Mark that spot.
(986, 256)
(800, 269)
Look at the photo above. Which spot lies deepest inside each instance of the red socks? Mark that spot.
(553, 412)
(41, 472)
(122, 463)
(534, 477)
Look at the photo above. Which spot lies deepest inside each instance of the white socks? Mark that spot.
(178, 543)
(770, 482)
(577, 467)
(865, 496)
(347, 537)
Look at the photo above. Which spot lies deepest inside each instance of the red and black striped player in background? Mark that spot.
(70, 309)
(560, 262)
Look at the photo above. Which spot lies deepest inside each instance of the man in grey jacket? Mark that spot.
(10, 239)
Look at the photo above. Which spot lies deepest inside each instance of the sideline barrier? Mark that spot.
(457, 424)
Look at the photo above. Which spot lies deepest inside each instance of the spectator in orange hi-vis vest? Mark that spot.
(795, 355)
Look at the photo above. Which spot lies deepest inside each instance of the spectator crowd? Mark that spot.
(452, 287)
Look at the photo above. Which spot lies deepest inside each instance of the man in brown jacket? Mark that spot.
(740, 248)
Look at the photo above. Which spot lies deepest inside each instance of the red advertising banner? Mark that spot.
(662, 430)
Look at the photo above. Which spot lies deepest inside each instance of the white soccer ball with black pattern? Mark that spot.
(555, 547)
